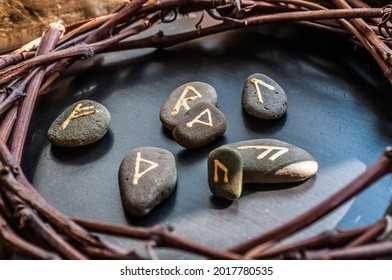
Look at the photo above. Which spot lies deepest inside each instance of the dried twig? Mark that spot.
(256, 245)
(161, 236)
(28, 72)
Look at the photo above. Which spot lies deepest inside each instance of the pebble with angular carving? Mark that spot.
(274, 161)
(147, 176)
(201, 125)
(225, 173)
(263, 98)
(265, 161)
(182, 99)
(82, 123)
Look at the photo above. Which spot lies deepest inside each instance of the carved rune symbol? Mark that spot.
(256, 82)
(137, 174)
(197, 119)
(268, 149)
(183, 100)
(78, 112)
(218, 164)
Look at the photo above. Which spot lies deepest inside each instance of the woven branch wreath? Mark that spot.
(31, 228)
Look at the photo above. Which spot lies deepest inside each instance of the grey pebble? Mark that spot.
(147, 176)
(225, 173)
(263, 98)
(274, 161)
(82, 123)
(201, 125)
(183, 99)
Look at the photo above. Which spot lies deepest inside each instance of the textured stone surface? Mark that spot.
(201, 125)
(225, 173)
(182, 99)
(82, 123)
(23, 21)
(274, 161)
(263, 98)
(147, 176)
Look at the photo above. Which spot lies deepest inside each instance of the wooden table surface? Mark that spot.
(339, 111)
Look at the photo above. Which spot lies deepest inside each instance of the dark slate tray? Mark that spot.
(339, 110)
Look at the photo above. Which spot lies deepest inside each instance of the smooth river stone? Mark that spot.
(82, 123)
(274, 161)
(201, 125)
(183, 99)
(225, 173)
(147, 176)
(263, 98)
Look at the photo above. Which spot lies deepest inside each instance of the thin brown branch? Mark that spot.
(311, 15)
(322, 27)
(83, 50)
(369, 235)
(56, 241)
(104, 254)
(328, 239)
(23, 73)
(257, 244)
(358, 4)
(8, 124)
(160, 40)
(27, 193)
(128, 231)
(3, 253)
(105, 29)
(369, 251)
(161, 235)
(28, 218)
(63, 65)
(369, 47)
(17, 91)
(84, 27)
(15, 58)
(12, 242)
(364, 29)
(48, 43)
(65, 225)
(172, 241)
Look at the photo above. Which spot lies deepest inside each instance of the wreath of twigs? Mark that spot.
(31, 228)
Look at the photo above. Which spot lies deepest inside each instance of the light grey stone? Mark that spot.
(274, 161)
(263, 98)
(201, 125)
(225, 173)
(183, 99)
(147, 176)
(82, 123)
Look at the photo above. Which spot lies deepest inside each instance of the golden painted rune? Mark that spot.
(256, 82)
(218, 164)
(137, 174)
(268, 149)
(197, 119)
(183, 100)
(78, 112)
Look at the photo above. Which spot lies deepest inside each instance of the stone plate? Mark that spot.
(339, 111)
